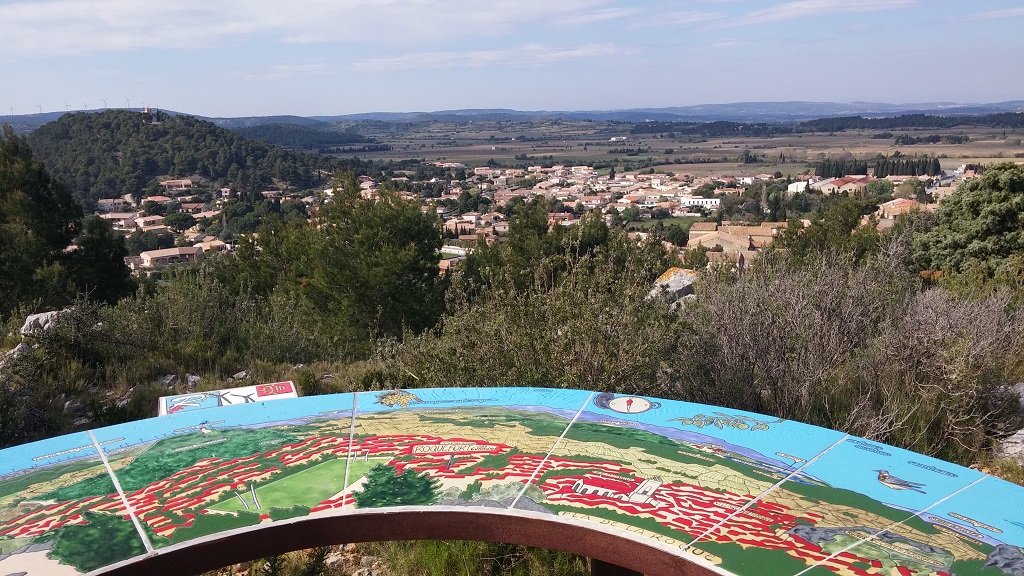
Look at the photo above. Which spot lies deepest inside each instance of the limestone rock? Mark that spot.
(39, 323)
(13, 354)
(1012, 447)
(673, 286)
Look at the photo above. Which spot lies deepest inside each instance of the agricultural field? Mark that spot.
(475, 143)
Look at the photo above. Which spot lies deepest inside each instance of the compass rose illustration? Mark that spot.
(624, 404)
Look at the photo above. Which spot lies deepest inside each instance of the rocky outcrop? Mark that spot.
(13, 354)
(38, 323)
(1012, 447)
(674, 286)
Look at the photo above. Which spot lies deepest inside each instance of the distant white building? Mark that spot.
(708, 203)
(796, 188)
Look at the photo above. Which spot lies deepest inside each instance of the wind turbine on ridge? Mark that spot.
(66, 106)
(104, 100)
(12, 110)
(40, 106)
(128, 102)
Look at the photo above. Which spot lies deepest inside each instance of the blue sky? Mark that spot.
(323, 57)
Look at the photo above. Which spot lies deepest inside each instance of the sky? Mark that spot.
(328, 57)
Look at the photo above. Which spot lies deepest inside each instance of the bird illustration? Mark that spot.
(890, 481)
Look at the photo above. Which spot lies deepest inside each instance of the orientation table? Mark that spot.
(639, 484)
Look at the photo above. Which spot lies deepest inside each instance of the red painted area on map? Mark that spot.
(173, 502)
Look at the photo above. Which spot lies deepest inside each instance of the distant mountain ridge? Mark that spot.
(737, 112)
(791, 111)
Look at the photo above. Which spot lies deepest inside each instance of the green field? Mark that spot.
(644, 225)
(306, 488)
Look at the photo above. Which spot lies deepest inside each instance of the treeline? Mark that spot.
(301, 137)
(356, 149)
(881, 166)
(908, 140)
(117, 152)
(717, 129)
(630, 151)
(999, 120)
(721, 129)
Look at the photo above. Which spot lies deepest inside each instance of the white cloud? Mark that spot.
(530, 55)
(722, 44)
(1008, 13)
(49, 27)
(599, 15)
(687, 17)
(811, 8)
(282, 72)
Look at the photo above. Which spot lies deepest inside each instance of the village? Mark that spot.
(183, 210)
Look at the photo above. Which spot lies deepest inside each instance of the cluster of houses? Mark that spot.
(580, 187)
(678, 195)
(127, 216)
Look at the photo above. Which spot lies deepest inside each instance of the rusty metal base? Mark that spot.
(613, 555)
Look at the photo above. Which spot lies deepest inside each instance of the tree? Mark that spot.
(139, 241)
(38, 220)
(97, 266)
(879, 189)
(386, 486)
(180, 221)
(980, 226)
(675, 234)
(838, 229)
(372, 266)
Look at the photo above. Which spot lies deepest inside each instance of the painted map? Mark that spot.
(738, 492)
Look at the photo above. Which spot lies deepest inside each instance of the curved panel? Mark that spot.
(658, 486)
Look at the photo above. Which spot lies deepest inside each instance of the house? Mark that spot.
(728, 242)
(856, 186)
(447, 265)
(707, 203)
(154, 259)
(120, 220)
(193, 207)
(158, 199)
(698, 229)
(107, 205)
(214, 245)
(563, 218)
(796, 188)
(176, 184)
(735, 261)
(820, 185)
(898, 207)
(144, 221)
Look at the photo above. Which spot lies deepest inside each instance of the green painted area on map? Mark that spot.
(760, 561)
(307, 487)
(206, 524)
(170, 455)
(15, 485)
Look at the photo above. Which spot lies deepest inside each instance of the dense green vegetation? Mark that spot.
(39, 218)
(118, 152)
(980, 228)
(301, 137)
(763, 129)
(998, 120)
(882, 166)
